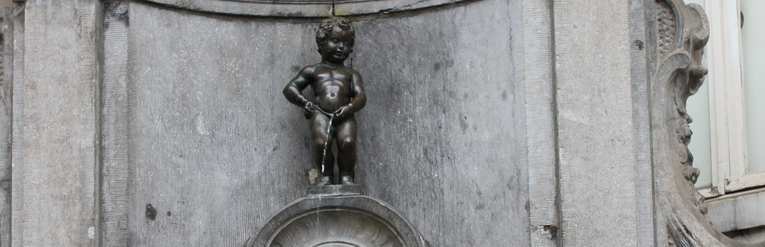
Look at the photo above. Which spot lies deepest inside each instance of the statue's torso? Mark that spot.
(332, 86)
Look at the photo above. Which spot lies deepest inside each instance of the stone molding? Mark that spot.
(310, 8)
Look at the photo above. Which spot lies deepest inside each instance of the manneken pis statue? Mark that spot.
(338, 94)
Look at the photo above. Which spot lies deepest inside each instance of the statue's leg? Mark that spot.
(346, 148)
(319, 124)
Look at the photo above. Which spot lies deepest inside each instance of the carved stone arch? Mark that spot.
(358, 221)
(682, 31)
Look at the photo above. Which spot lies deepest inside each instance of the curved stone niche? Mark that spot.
(344, 221)
(301, 8)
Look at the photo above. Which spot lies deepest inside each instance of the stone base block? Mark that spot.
(334, 190)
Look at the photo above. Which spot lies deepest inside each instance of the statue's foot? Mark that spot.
(347, 180)
(325, 180)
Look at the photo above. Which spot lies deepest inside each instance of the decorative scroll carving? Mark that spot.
(682, 32)
(693, 43)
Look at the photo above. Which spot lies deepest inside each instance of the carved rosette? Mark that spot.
(681, 31)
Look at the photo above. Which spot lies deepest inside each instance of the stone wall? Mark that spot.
(489, 123)
(195, 122)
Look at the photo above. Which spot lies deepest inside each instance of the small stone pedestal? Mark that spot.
(339, 216)
(334, 190)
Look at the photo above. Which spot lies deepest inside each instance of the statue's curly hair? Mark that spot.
(326, 28)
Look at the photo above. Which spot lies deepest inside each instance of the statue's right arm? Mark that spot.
(294, 89)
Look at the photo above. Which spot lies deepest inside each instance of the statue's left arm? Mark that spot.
(358, 100)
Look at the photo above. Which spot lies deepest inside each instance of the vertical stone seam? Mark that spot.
(556, 141)
(540, 153)
(98, 110)
(650, 55)
(130, 112)
(17, 143)
(641, 125)
(114, 170)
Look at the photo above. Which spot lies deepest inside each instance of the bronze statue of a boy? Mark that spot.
(338, 94)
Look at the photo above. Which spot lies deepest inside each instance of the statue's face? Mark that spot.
(337, 48)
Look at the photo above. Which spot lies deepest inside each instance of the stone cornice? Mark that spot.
(309, 8)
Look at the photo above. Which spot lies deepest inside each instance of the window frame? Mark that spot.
(728, 134)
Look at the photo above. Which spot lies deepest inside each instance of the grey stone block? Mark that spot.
(595, 125)
(54, 120)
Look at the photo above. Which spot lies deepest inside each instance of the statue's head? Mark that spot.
(335, 39)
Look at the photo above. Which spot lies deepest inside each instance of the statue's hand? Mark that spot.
(343, 112)
(308, 109)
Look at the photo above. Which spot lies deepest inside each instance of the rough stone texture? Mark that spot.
(54, 126)
(213, 142)
(595, 123)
